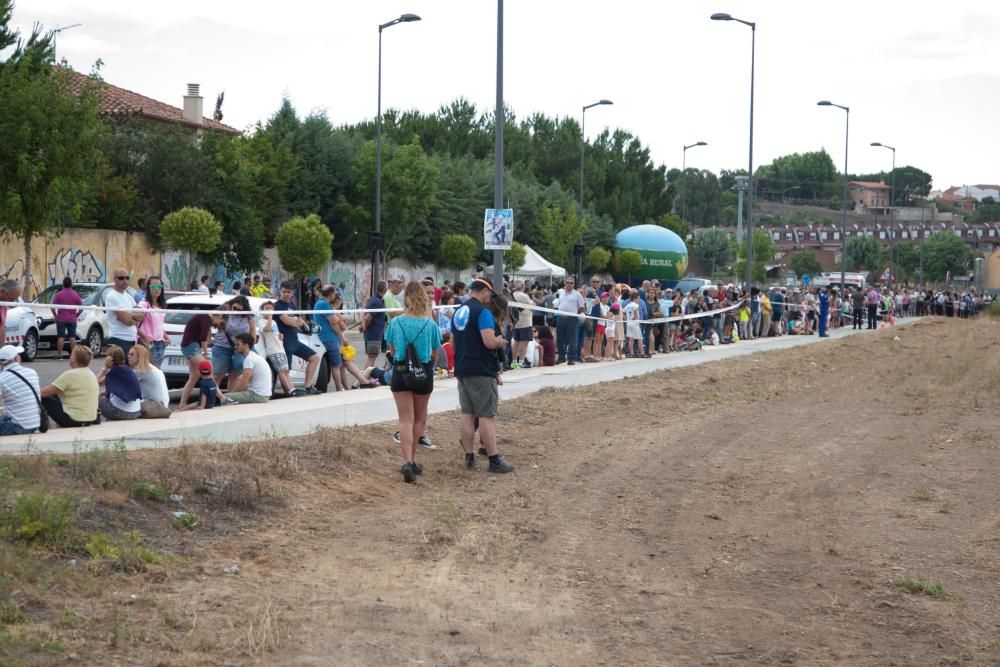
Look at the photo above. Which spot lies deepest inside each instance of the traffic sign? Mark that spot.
(806, 278)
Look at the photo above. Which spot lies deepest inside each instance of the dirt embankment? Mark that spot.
(832, 504)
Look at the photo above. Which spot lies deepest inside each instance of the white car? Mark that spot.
(175, 366)
(91, 325)
(22, 329)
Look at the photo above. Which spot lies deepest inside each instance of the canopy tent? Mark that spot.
(535, 265)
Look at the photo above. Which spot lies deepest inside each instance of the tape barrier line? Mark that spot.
(352, 311)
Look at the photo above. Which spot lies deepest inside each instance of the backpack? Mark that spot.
(411, 370)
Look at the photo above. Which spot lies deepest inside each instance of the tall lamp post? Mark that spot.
(892, 179)
(583, 147)
(753, 50)
(684, 162)
(375, 242)
(843, 222)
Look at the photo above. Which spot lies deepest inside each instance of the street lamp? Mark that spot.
(843, 223)
(376, 241)
(794, 187)
(684, 160)
(892, 178)
(583, 146)
(753, 49)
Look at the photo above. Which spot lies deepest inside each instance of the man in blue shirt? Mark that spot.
(373, 324)
(288, 327)
(477, 368)
(824, 312)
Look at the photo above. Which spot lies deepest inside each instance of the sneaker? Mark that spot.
(409, 475)
(570, 363)
(515, 365)
(525, 364)
(425, 442)
(417, 468)
(500, 468)
(470, 461)
(560, 360)
(298, 392)
(313, 391)
(395, 437)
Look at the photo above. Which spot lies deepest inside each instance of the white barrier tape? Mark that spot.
(344, 311)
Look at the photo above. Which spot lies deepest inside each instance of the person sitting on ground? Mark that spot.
(71, 399)
(152, 382)
(254, 385)
(122, 399)
(374, 377)
(20, 392)
(543, 335)
(209, 394)
(446, 353)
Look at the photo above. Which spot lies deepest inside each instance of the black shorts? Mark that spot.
(397, 385)
(522, 335)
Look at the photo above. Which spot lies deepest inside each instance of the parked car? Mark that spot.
(685, 285)
(175, 366)
(91, 325)
(22, 329)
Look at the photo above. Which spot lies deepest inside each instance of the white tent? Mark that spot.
(536, 265)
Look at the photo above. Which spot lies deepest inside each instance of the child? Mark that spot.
(209, 393)
(273, 349)
(614, 329)
(633, 330)
(543, 335)
(446, 353)
(744, 320)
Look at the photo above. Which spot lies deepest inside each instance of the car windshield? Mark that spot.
(182, 318)
(86, 292)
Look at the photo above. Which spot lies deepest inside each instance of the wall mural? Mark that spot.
(82, 266)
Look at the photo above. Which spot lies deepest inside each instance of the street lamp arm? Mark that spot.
(405, 18)
(597, 104)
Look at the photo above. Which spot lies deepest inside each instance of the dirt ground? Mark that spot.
(832, 504)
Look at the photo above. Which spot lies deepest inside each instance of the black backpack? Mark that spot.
(411, 370)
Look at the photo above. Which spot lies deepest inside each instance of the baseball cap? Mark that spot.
(8, 352)
(479, 284)
(205, 366)
(615, 308)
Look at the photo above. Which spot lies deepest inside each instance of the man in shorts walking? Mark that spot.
(373, 324)
(288, 326)
(477, 368)
(522, 327)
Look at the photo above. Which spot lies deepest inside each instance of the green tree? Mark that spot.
(558, 233)
(699, 196)
(945, 252)
(597, 259)
(864, 252)
(629, 261)
(813, 175)
(805, 263)
(514, 258)
(674, 223)
(764, 250)
(458, 251)
(906, 259)
(715, 248)
(304, 245)
(49, 140)
(191, 230)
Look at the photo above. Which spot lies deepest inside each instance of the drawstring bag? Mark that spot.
(411, 370)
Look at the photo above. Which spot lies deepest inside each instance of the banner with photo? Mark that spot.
(498, 229)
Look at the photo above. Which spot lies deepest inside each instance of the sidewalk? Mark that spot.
(297, 416)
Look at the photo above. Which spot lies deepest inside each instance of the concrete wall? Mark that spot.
(85, 255)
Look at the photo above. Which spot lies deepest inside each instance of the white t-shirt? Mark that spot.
(19, 402)
(153, 384)
(117, 301)
(261, 381)
(523, 314)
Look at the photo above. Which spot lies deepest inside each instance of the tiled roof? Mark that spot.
(870, 184)
(121, 103)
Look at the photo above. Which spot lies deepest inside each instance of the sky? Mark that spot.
(920, 76)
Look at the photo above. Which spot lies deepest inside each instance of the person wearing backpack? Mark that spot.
(413, 340)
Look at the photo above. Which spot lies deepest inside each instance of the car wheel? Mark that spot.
(30, 345)
(323, 379)
(95, 341)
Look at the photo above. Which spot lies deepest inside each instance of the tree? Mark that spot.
(864, 252)
(458, 251)
(812, 175)
(945, 252)
(559, 232)
(304, 245)
(764, 250)
(191, 230)
(514, 258)
(804, 263)
(906, 259)
(701, 196)
(674, 223)
(715, 248)
(597, 259)
(629, 261)
(49, 140)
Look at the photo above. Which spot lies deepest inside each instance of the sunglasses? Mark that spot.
(156, 287)
(121, 277)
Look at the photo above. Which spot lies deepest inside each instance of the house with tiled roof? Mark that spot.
(869, 196)
(120, 105)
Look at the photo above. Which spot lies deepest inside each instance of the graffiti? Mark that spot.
(16, 271)
(80, 265)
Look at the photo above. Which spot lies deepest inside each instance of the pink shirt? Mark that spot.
(152, 326)
(67, 296)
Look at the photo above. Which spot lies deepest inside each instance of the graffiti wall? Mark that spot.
(85, 255)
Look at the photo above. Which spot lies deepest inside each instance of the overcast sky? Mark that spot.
(921, 76)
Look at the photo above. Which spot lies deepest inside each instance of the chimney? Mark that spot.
(193, 103)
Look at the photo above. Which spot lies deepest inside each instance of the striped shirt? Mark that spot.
(18, 402)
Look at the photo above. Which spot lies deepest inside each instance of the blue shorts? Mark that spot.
(191, 349)
(66, 330)
(226, 360)
(298, 349)
(156, 349)
(333, 357)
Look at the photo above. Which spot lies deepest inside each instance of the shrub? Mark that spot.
(41, 518)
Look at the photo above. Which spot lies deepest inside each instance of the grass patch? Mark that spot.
(106, 467)
(923, 494)
(126, 554)
(146, 490)
(932, 589)
(42, 518)
(184, 521)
